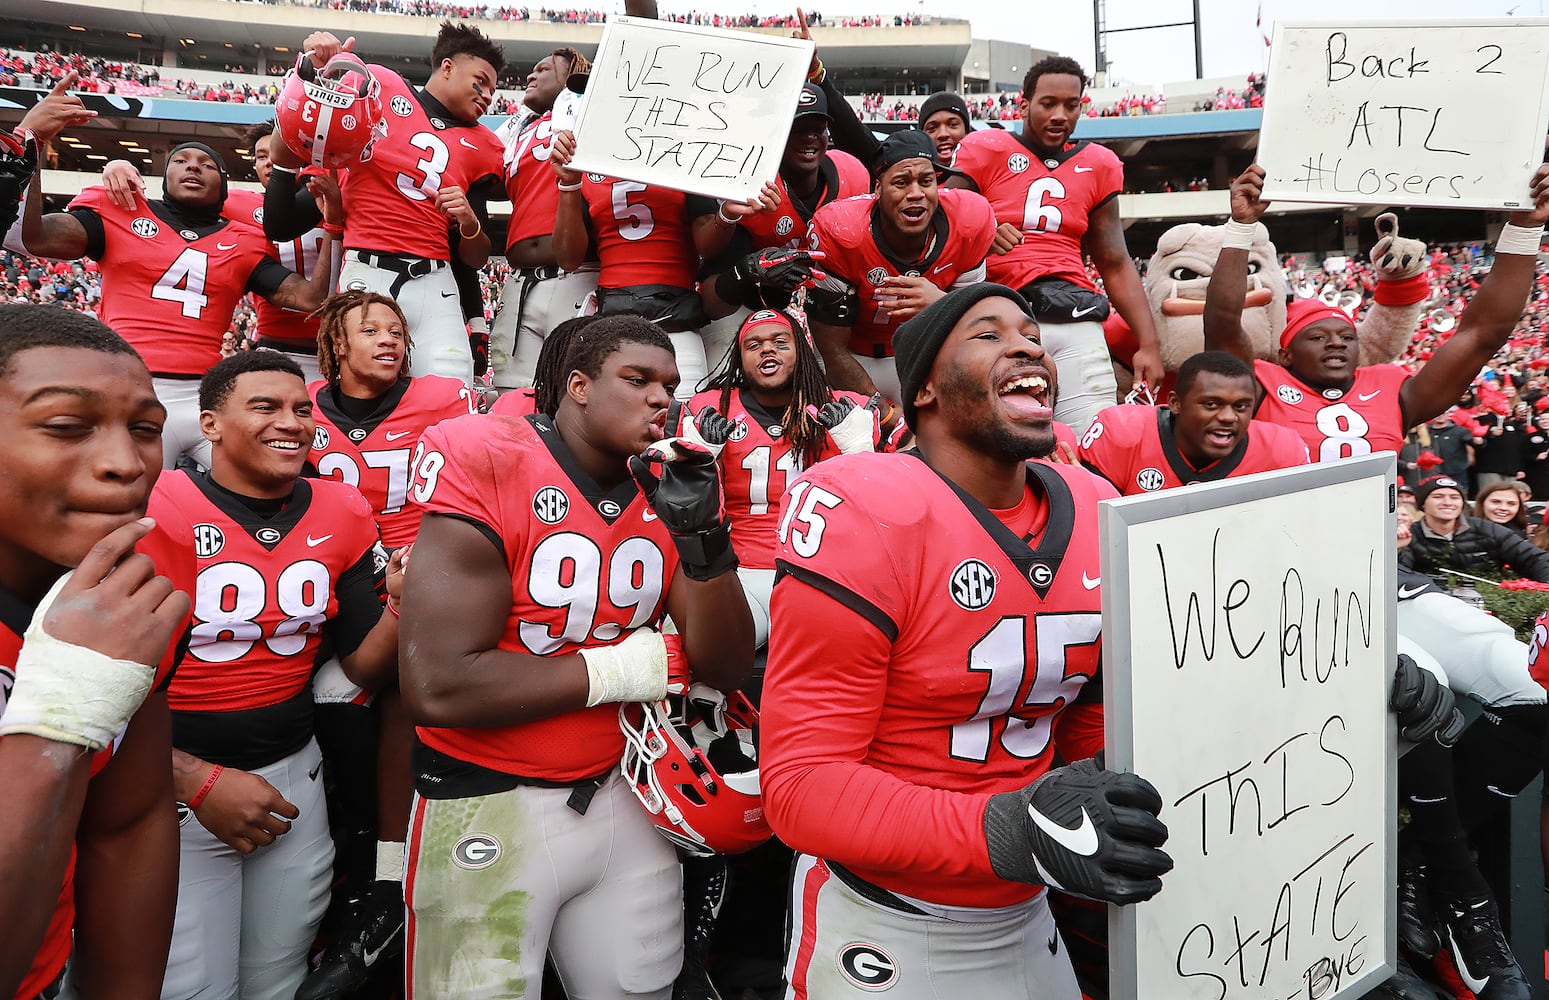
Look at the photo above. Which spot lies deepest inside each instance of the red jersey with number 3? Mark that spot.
(300, 255)
(531, 183)
(588, 565)
(848, 233)
(390, 198)
(375, 455)
(974, 632)
(170, 296)
(642, 233)
(170, 546)
(1336, 424)
(756, 468)
(267, 585)
(1133, 447)
(844, 177)
(1051, 201)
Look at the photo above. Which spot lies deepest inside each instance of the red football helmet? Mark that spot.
(329, 120)
(694, 766)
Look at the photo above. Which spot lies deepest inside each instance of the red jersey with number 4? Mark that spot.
(374, 455)
(848, 233)
(1133, 447)
(642, 233)
(170, 546)
(1051, 201)
(266, 587)
(390, 197)
(925, 654)
(531, 183)
(300, 255)
(756, 468)
(843, 177)
(170, 296)
(1336, 424)
(588, 565)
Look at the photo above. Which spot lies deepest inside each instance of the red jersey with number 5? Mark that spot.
(1337, 424)
(375, 454)
(642, 233)
(300, 255)
(1133, 447)
(390, 197)
(588, 565)
(170, 296)
(925, 654)
(1051, 201)
(531, 183)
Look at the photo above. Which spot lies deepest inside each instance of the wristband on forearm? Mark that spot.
(706, 555)
(1519, 239)
(1239, 235)
(1404, 291)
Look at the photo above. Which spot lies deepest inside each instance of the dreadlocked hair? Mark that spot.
(549, 375)
(333, 331)
(809, 387)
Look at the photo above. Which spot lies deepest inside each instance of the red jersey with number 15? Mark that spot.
(1133, 447)
(642, 233)
(1337, 424)
(390, 198)
(1051, 201)
(588, 565)
(300, 255)
(375, 455)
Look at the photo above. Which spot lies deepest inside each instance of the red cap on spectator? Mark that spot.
(1302, 313)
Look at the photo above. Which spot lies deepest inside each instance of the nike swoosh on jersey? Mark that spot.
(1078, 313)
(942, 268)
(317, 541)
(1083, 170)
(1090, 582)
(395, 435)
(1364, 396)
(465, 142)
(1405, 593)
(1081, 840)
(1469, 979)
(225, 246)
(648, 514)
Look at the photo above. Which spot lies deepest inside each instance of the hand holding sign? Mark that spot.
(561, 151)
(1247, 187)
(1539, 213)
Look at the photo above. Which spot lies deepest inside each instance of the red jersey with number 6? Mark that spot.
(375, 454)
(925, 654)
(1335, 423)
(642, 233)
(287, 326)
(170, 296)
(1133, 447)
(1051, 200)
(390, 196)
(588, 565)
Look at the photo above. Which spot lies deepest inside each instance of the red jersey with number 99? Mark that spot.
(1051, 201)
(587, 565)
(642, 233)
(390, 198)
(1335, 423)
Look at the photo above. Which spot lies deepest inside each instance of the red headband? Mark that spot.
(1302, 313)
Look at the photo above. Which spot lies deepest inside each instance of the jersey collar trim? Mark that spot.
(1058, 158)
(1214, 472)
(757, 410)
(621, 496)
(437, 112)
(387, 403)
(251, 521)
(827, 190)
(940, 228)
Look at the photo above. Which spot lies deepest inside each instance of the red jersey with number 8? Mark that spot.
(1051, 201)
(642, 233)
(1335, 423)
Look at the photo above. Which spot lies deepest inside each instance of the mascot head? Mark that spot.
(1175, 283)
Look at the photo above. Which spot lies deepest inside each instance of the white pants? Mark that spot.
(521, 325)
(843, 945)
(689, 348)
(495, 881)
(245, 922)
(758, 584)
(884, 375)
(719, 334)
(1477, 654)
(1084, 370)
(435, 314)
(180, 435)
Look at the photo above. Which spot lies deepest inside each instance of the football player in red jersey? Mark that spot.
(944, 117)
(281, 559)
(419, 197)
(1057, 199)
(889, 255)
(172, 275)
(976, 535)
(539, 294)
(541, 576)
(1205, 433)
(84, 779)
(1317, 386)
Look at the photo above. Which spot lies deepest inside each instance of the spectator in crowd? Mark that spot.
(1504, 503)
(1499, 452)
(1446, 539)
(1454, 446)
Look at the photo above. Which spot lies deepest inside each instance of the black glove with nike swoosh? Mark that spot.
(686, 495)
(1083, 830)
(768, 277)
(1424, 705)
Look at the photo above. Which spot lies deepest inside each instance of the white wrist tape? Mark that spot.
(1519, 239)
(690, 431)
(69, 693)
(1239, 235)
(633, 670)
(853, 434)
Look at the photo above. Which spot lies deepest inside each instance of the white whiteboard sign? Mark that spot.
(1248, 655)
(1449, 114)
(698, 109)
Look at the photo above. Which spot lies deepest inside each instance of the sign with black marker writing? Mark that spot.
(1448, 114)
(702, 110)
(1248, 654)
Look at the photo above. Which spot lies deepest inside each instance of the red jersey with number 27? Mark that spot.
(642, 233)
(587, 565)
(1337, 424)
(1134, 449)
(925, 654)
(1051, 201)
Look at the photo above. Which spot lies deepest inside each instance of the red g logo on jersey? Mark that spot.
(1289, 394)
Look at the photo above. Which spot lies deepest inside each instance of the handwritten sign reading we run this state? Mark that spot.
(1447, 114)
(701, 110)
(1248, 655)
